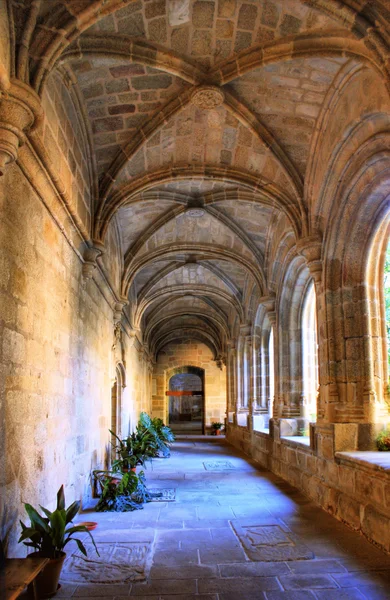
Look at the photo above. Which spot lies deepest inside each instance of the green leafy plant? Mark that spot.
(50, 534)
(383, 440)
(215, 425)
(162, 434)
(304, 432)
(122, 493)
(134, 450)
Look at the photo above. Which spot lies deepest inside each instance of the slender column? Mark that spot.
(255, 398)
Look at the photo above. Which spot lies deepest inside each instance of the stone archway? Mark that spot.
(186, 404)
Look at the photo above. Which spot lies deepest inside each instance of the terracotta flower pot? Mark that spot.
(133, 469)
(217, 432)
(90, 525)
(47, 580)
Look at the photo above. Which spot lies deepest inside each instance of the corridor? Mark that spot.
(234, 532)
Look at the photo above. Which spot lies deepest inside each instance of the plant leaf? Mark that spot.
(61, 499)
(72, 511)
(27, 533)
(81, 546)
(36, 519)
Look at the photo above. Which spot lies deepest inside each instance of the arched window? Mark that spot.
(309, 355)
(271, 372)
(386, 287)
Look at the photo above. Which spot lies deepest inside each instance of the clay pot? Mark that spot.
(217, 432)
(133, 469)
(90, 525)
(47, 581)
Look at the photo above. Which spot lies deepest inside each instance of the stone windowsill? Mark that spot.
(297, 440)
(261, 431)
(367, 460)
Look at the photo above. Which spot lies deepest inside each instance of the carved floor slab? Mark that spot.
(218, 465)
(117, 563)
(271, 543)
(167, 494)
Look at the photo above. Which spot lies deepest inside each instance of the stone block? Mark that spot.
(203, 14)
(376, 526)
(348, 510)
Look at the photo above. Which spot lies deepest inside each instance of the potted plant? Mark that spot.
(134, 450)
(383, 440)
(216, 427)
(163, 435)
(49, 535)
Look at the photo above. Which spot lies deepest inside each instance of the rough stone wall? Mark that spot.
(55, 362)
(183, 353)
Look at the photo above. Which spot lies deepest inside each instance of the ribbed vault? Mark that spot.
(203, 122)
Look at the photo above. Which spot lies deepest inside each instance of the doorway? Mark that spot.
(186, 400)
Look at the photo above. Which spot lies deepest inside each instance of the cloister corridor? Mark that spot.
(196, 552)
(195, 231)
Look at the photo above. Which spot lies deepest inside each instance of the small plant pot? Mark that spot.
(90, 525)
(217, 432)
(133, 469)
(47, 581)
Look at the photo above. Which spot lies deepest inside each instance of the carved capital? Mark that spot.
(20, 111)
(245, 329)
(311, 248)
(91, 254)
(118, 309)
(268, 302)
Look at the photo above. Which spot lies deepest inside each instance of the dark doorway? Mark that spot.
(186, 400)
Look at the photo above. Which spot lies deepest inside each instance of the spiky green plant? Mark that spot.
(50, 534)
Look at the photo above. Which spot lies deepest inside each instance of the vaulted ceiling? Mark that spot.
(201, 115)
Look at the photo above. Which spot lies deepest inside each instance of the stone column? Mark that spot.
(242, 376)
(255, 397)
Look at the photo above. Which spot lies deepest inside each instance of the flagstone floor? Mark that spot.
(234, 532)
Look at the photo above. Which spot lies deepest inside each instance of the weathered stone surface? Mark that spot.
(271, 543)
(117, 563)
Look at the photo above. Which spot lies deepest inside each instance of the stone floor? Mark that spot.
(288, 548)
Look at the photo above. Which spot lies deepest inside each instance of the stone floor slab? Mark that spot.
(346, 594)
(309, 582)
(165, 586)
(118, 563)
(271, 543)
(218, 465)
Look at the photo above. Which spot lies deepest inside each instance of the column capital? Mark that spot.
(20, 111)
(118, 309)
(92, 252)
(245, 329)
(310, 248)
(268, 302)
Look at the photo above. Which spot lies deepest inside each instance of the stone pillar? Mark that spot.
(20, 112)
(255, 397)
(243, 361)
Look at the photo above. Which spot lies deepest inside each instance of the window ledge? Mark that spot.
(261, 431)
(369, 460)
(297, 440)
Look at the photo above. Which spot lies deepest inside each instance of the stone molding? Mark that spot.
(91, 254)
(20, 112)
(311, 249)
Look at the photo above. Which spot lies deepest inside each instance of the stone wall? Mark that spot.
(56, 362)
(352, 486)
(187, 352)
